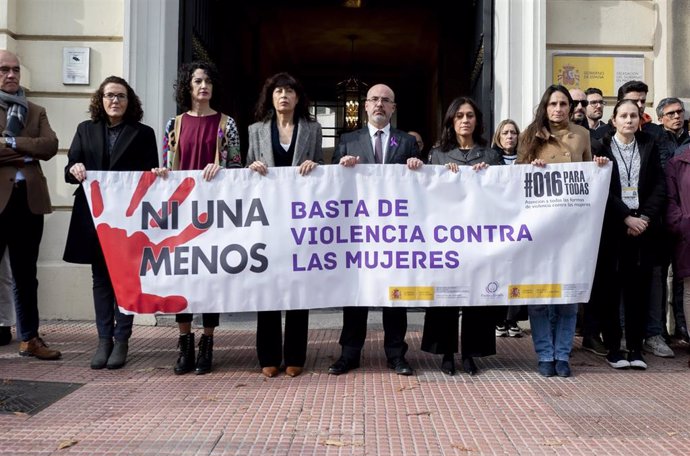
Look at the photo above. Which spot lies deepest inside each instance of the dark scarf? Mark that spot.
(17, 107)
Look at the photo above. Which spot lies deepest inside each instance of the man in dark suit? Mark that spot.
(378, 142)
(24, 199)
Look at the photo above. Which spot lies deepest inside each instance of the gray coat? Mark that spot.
(307, 146)
(475, 155)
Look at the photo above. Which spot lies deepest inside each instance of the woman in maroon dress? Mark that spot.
(204, 139)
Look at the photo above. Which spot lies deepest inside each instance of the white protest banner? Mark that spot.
(364, 236)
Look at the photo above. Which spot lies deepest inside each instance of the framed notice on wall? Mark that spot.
(75, 65)
(604, 71)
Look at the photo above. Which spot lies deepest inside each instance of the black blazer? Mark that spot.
(401, 146)
(135, 150)
(651, 186)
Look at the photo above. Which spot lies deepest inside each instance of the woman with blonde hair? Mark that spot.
(505, 140)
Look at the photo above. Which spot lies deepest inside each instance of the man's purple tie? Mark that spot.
(378, 146)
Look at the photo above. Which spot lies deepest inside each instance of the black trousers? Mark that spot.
(269, 338)
(441, 330)
(209, 320)
(21, 232)
(477, 330)
(110, 322)
(355, 331)
(511, 315)
(591, 319)
(623, 274)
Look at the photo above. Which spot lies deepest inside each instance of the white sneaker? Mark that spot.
(636, 360)
(657, 346)
(501, 331)
(616, 360)
(514, 330)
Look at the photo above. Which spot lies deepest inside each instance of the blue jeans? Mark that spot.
(553, 330)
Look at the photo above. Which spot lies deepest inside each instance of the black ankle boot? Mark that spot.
(118, 357)
(185, 362)
(469, 366)
(448, 364)
(100, 357)
(205, 358)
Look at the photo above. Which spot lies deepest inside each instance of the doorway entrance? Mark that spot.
(426, 51)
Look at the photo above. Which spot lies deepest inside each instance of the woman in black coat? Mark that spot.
(630, 234)
(113, 140)
(462, 144)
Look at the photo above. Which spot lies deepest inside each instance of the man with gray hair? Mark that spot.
(26, 139)
(671, 113)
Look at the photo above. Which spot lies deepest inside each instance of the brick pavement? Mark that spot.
(144, 409)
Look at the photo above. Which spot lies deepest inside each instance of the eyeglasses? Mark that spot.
(114, 96)
(383, 100)
(677, 112)
(6, 70)
(597, 102)
(584, 103)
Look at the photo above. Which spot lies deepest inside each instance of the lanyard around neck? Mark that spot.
(628, 166)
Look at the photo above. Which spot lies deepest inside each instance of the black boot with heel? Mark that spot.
(100, 357)
(204, 359)
(185, 362)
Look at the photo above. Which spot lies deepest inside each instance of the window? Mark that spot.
(324, 111)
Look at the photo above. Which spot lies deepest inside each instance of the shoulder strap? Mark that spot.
(220, 140)
(173, 142)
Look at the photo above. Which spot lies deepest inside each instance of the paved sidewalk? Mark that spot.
(144, 409)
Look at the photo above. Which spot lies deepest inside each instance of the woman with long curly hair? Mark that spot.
(201, 138)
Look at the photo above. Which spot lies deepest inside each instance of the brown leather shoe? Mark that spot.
(270, 371)
(293, 371)
(36, 347)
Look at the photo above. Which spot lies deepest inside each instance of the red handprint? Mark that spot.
(124, 269)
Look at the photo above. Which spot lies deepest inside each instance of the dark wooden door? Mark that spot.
(482, 77)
